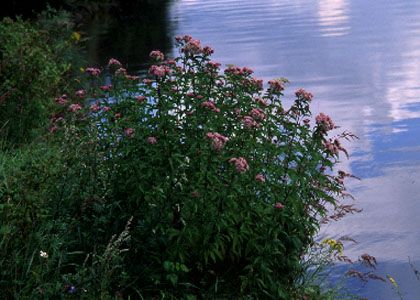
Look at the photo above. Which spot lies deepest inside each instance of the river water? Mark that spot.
(361, 60)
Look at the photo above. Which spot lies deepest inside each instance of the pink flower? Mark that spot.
(249, 122)
(324, 122)
(93, 71)
(121, 71)
(208, 50)
(195, 194)
(152, 140)
(159, 71)
(53, 129)
(81, 93)
(62, 100)
(214, 65)
(141, 99)
(147, 81)
(106, 87)
(260, 178)
(157, 55)
(129, 132)
(261, 101)
(114, 62)
(257, 114)
(210, 105)
(278, 205)
(302, 94)
(117, 115)
(106, 108)
(276, 85)
(218, 140)
(192, 47)
(240, 163)
(95, 107)
(75, 107)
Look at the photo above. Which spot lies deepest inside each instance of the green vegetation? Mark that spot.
(189, 184)
(35, 59)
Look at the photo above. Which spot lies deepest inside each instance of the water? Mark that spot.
(362, 61)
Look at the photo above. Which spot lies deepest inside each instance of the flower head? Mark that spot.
(240, 163)
(260, 178)
(302, 94)
(141, 99)
(324, 122)
(218, 140)
(210, 105)
(157, 55)
(93, 71)
(278, 205)
(95, 107)
(159, 71)
(129, 132)
(81, 93)
(43, 254)
(75, 107)
(114, 62)
(152, 140)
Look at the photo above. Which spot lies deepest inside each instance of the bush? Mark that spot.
(34, 58)
(188, 184)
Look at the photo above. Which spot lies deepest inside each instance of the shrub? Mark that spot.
(34, 58)
(188, 184)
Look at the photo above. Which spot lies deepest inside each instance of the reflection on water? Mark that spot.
(362, 61)
(333, 17)
(128, 32)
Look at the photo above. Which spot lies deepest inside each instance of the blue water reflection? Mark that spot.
(362, 61)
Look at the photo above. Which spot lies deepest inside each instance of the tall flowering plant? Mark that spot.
(225, 186)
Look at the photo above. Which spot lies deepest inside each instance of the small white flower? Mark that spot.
(43, 254)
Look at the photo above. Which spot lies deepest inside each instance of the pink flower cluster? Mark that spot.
(278, 205)
(106, 88)
(245, 71)
(214, 65)
(62, 100)
(324, 122)
(249, 122)
(302, 94)
(253, 83)
(75, 107)
(157, 55)
(210, 105)
(141, 99)
(95, 107)
(93, 71)
(261, 101)
(81, 93)
(260, 178)
(121, 71)
(257, 114)
(192, 47)
(333, 146)
(240, 163)
(114, 62)
(129, 132)
(159, 71)
(218, 140)
(152, 140)
(276, 85)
